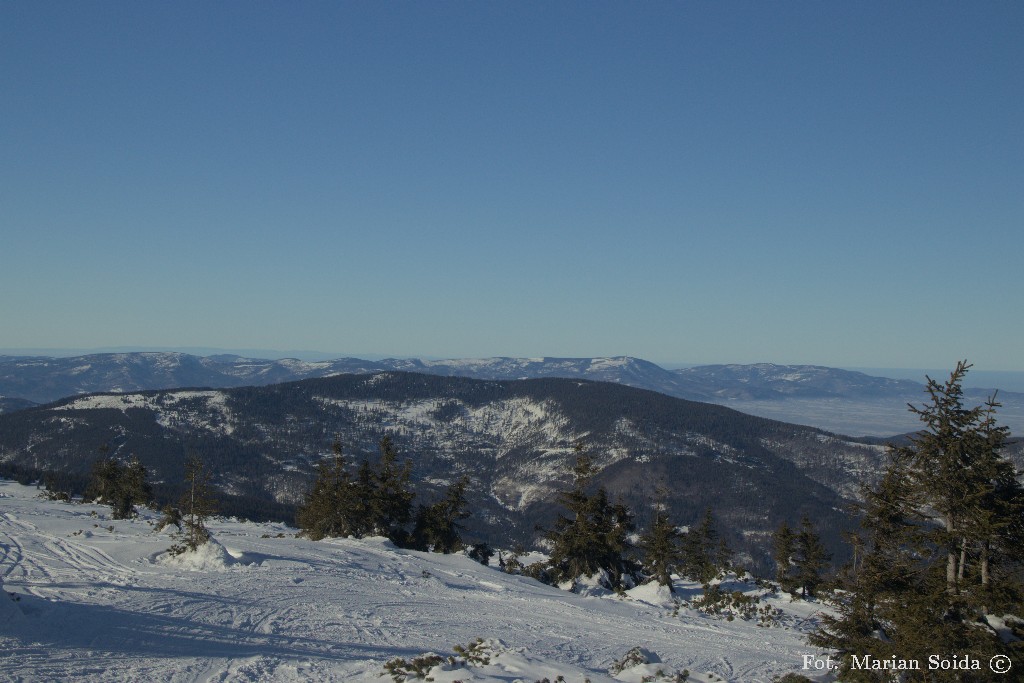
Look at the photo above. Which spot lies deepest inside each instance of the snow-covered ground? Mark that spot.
(98, 600)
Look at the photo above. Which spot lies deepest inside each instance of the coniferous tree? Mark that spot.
(928, 527)
(723, 555)
(614, 524)
(595, 537)
(103, 480)
(886, 569)
(811, 559)
(994, 528)
(133, 489)
(703, 553)
(374, 501)
(482, 553)
(943, 459)
(122, 487)
(197, 504)
(328, 508)
(437, 526)
(574, 539)
(391, 499)
(364, 488)
(784, 548)
(171, 516)
(660, 547)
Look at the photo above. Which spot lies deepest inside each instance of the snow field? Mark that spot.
(99, 600)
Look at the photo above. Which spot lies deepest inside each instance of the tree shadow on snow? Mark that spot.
(122, 633)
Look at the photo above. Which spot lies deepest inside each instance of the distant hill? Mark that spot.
(9, 405)
(770, 381)
(841, 401)
(514, 438)
(45, 379)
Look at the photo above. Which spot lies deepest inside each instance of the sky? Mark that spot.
(829, 183)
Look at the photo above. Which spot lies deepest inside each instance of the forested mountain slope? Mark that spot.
(513, 438)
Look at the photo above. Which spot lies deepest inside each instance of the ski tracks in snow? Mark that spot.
(104, 607)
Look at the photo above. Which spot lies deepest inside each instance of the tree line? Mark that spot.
(378, 501)
(592, 537)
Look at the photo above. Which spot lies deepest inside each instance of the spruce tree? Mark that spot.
(133, 489)
(122, 487)
(391, 499)
(574, 539)
(994, 528)
(376, 501)
(784, 549)
(943, 459)
(928, 531)
(437, 526)
(811, 559)
(614, 523)
(328, 508)
(364, 488)
(660, 546)
(103, 480)
(595, 537)
(703, 553)
(197, 504)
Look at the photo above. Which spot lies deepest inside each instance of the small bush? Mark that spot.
(730, 605)
(634, 657)
(477, 653)
(482, 553)
(401, 670)
(638, 656)
(171, 516)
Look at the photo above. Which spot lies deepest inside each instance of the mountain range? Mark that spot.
(838, 400)
(514, 438)
(263, 431)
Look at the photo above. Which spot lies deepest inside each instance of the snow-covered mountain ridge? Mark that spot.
(45, 379)
(97, 601)
(829, 398)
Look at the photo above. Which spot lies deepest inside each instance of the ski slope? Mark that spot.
(99, 600)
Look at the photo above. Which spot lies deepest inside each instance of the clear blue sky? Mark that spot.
(838, 183)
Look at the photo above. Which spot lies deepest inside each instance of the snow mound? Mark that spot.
(210, 556)
(652, 593)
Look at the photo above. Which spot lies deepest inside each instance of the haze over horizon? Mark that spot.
(808, 183)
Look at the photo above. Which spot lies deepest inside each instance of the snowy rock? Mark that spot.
(653, 593)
